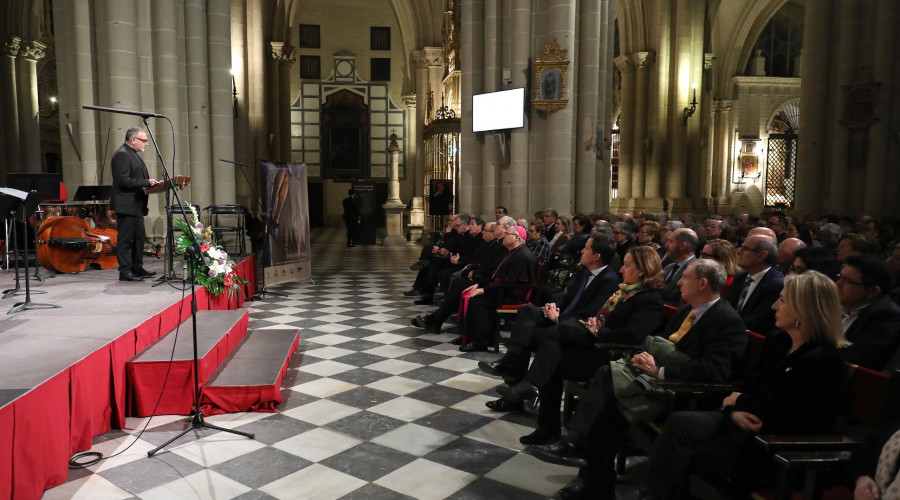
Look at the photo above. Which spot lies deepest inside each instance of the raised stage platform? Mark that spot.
(63, 370)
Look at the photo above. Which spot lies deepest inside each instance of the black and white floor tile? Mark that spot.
(373, 408)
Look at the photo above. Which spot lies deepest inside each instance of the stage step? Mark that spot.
(250, 379)
(218, 332)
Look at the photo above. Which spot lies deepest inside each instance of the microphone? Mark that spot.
(142, 114)
(234, 163)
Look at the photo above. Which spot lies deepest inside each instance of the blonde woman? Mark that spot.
(723, 252)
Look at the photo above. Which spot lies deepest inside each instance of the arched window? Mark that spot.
(780, 42)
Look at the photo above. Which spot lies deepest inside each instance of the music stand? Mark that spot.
(47, 188)
(24, 203)
(175, 183)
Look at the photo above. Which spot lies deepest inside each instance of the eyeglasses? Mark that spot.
(145, 141)
(748, 249)
(847, 280)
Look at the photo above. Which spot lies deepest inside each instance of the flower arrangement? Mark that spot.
(211, 267)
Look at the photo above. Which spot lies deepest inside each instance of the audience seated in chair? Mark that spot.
(756, 288)
(709, 341)
(871, 320)
(682, 249)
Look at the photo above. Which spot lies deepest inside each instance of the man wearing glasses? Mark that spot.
(754, 290)
(129, 201)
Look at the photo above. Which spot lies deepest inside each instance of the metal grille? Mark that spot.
(309, 36)
(380, 38)
(781, 169)
(614, 165)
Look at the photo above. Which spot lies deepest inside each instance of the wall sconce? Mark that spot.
(50, 108)
(234, 94)
(689, 111)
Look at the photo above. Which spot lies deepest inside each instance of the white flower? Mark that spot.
(215, 253)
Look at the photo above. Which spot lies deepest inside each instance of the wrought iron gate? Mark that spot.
(781, 169)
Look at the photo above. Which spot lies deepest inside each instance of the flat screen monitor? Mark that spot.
(498, 110)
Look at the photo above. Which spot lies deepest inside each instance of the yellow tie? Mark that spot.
(685, 327)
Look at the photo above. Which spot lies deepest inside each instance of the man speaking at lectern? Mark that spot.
(129, 201)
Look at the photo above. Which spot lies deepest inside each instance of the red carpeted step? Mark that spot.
(250, 379)
(218, 332)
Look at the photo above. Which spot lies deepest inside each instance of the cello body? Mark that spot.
(68, 245)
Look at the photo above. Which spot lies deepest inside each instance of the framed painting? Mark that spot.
(551, 79)
(749, 165)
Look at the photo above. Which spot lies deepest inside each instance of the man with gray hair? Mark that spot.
(829, 236)
(682, 248)
(759, 285)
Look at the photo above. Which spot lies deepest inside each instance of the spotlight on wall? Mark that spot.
(234, 95)
(689, 111)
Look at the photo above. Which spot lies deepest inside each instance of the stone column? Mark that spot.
(639, 177)
(605, 106)
(124, 90)
(198, 104)
(394, 207)
(844, 191)
(879, 198)
(560, 125)
(626, 139)
(472, 81)
(9, 108)
(589, 92)
(168, 73)
(514, 193)
(221, 108)
(723, 154)
(414, 149)
(26, 82)
(484, 196)
(242, 145)
(814, 89)
(423, 88)
(285, 55)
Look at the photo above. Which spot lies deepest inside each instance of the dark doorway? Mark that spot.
(316, 192)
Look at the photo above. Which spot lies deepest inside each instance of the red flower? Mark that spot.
(228, 282)
(204, 247)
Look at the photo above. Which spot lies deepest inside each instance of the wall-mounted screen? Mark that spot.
(498, 110)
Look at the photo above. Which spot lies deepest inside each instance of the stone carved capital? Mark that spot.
(409, 100)
(643, 60)
(427, 57)
(283, 53)
(32, 50)
(11, 47)
(624, 64)
(722, 105)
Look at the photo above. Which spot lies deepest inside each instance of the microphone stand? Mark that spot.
(265, 224)
(197, 421)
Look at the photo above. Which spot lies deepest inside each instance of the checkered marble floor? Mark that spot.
(373, 408)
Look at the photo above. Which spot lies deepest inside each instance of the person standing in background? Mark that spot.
(351, 216)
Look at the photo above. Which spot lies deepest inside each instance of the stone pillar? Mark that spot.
(198, 103)
(484, 199)
(513, 192)
(814, 89)
(26, 82)
(9, 108)
(627, 139)
(394, 207)
(414, 168)
(723, 155)
(472, 81)
(588, 94)
(560, 125)
(423, 88)
(242, 146)
(639, 177)
(168, 73)
(605, 106)
(844, 191)
(879, 197)
(221, 108)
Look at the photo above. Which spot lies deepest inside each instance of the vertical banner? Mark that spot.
(286, 256)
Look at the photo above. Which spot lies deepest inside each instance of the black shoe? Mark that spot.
(144, 273)
(522, 391)
(561, 452)
(504, 405)
(412, 293)
(130, 276)
(424, 301)
(473, 347)
(540, 436)
(417, 265)
(456, 341)
(499, 369)
(573, 490)
(422, 322)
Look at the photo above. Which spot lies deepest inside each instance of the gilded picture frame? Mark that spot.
(551, 79)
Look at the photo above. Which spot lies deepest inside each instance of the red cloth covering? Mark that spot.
(258, 398)
(91, 379)
(41, 442)
(7, 419)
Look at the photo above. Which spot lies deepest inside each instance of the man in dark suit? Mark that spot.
(759, 285)
(585, 293)
(351, 216)
(129, 201)
(707, 330)
(682, 248)
(871, 319)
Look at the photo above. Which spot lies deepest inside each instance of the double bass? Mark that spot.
(68, 245)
